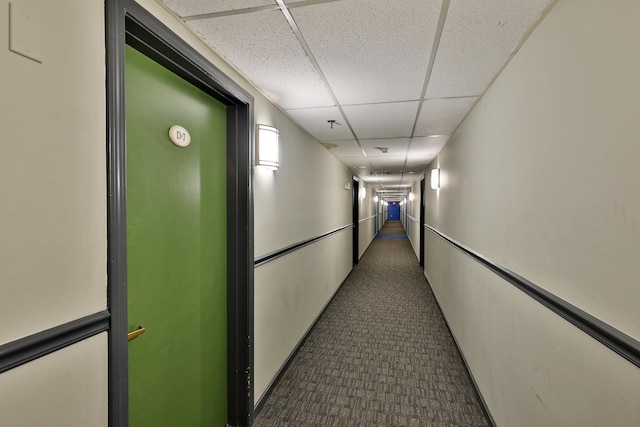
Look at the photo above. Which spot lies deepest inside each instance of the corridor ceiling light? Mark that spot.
(267, 150)
(435, 179)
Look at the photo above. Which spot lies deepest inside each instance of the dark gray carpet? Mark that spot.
(380, 355)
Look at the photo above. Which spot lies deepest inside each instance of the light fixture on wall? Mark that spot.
(411, 196)
(375, 199)
(363, 193)
(435, 178)
(267, 149)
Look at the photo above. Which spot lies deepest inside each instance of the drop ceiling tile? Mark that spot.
(267, 52)
(425, 148)
(415, 171)
(346, 149)
(395, 147)
(199, 7)
(477, 39)
(392, 178)
(315, 121)
(387, 162)
(442, 116)
(371, 50)
(392, 120)
(419, 162)
(355, 161)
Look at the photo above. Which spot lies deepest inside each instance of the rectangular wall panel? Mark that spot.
(67, 388)
(290, 293)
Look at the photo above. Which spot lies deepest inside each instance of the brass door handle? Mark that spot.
(135, 334)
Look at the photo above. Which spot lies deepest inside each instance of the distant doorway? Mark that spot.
(393, 211)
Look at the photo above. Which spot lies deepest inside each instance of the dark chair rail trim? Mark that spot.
(367, 218)
(40, 344)
(295, 246)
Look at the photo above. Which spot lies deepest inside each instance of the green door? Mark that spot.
(176, 243)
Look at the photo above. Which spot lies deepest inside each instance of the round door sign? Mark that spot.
(179, 136)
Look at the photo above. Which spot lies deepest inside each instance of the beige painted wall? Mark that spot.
(366, 228)
(53, 218)
(289, 294)
(542, 178)
(67, 388)
(52, 171)
(414, 224)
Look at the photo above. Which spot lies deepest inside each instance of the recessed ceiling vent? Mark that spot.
(382, 149)
(329, 145)
(380, 173)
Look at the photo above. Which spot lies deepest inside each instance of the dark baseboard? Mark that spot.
(32, 347)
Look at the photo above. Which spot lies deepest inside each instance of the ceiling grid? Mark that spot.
(397, 77)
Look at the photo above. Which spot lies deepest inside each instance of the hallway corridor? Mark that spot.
(380, 355)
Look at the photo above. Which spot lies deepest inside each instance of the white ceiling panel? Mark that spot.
(428, 145)
(419, 162)
(419, 159)
(477, 40)
(392, 178)
(395, 147)
(355, 161)
(374, 55)
(393, 120)
(415, 171)
(442, 116)
(380, 163)
(264, 47)
(371, 50)
(199, 7)
(346, 149)
(315, 121)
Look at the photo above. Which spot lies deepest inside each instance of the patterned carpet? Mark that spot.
(380, 355)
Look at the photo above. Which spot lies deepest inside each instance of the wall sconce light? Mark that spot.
(363, 193)
(267, 150)
(375, 199)
(435, 179)
(411, 196)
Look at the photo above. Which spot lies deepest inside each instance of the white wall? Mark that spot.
(67, 388)
(53, 217)
(366, 211)
(542, 178)
(52, 171)
(413, 207)
(305, 198)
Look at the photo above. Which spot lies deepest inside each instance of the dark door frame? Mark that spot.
(422, 220)
(129, 23)
(356, 220)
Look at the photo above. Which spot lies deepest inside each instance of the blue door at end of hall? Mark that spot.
(393, 211)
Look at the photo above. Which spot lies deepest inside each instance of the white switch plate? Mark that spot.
(25, 33)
